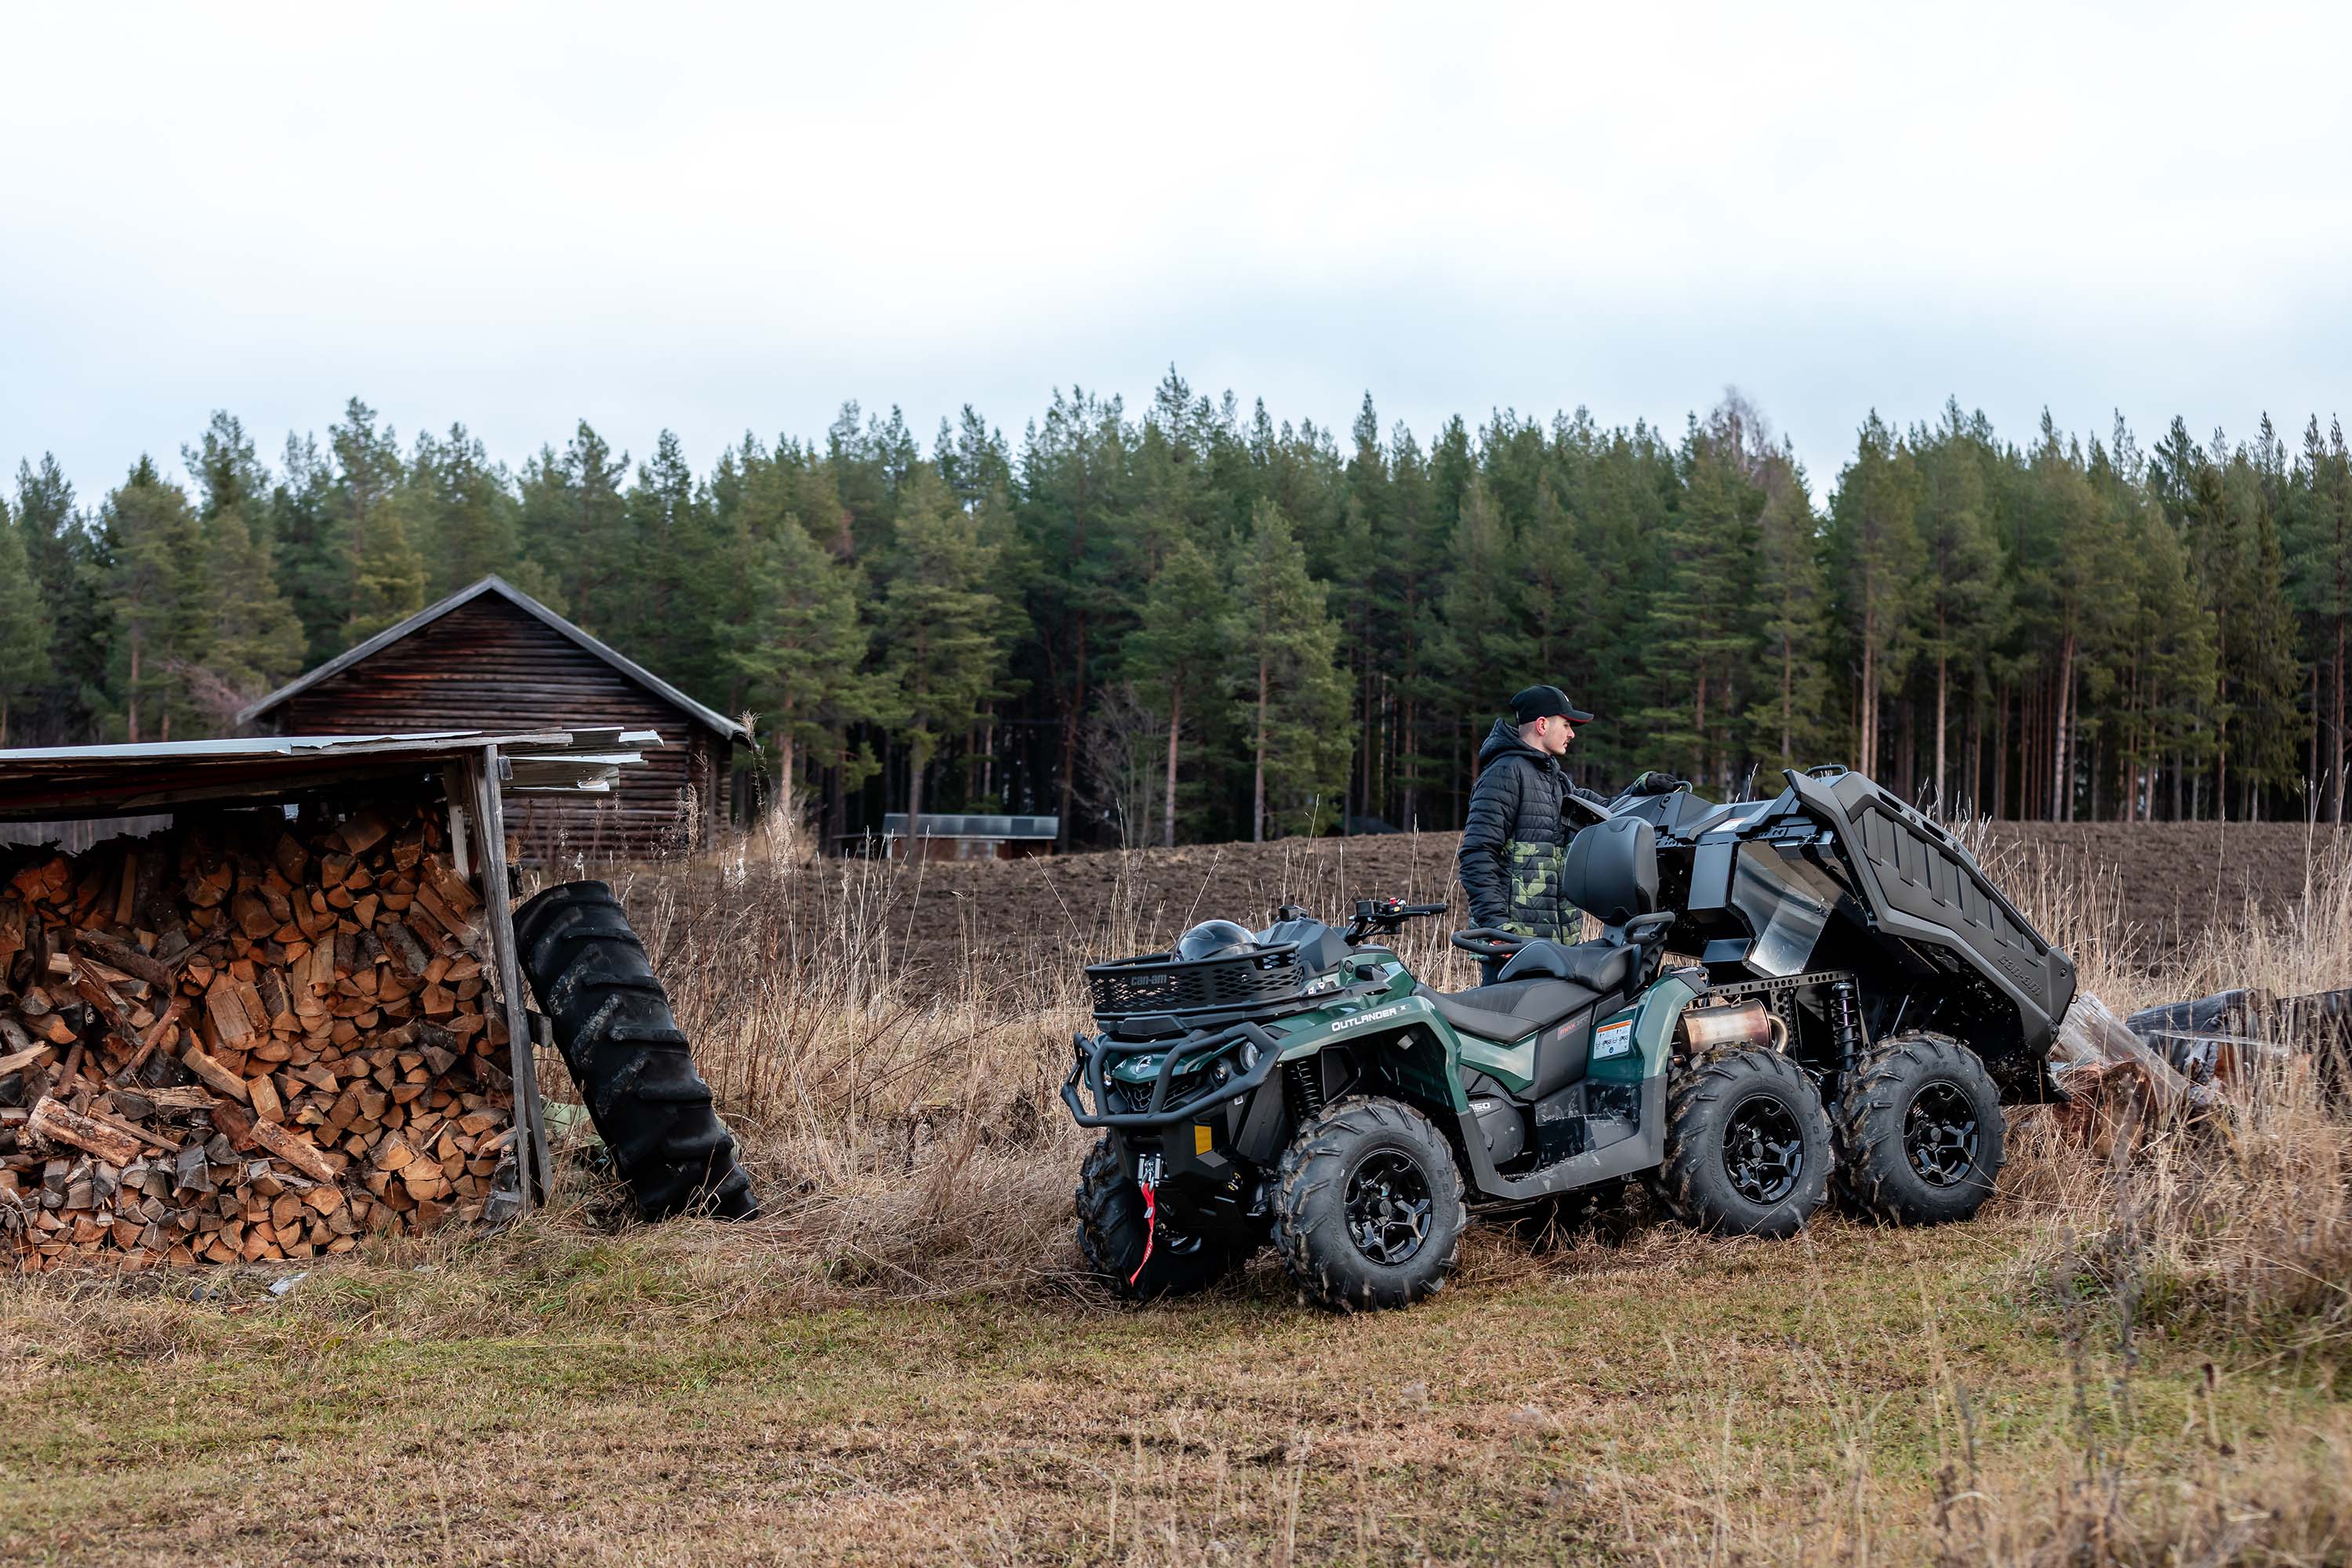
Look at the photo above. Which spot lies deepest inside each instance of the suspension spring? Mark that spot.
(1305, 1081)
(1845, 1024)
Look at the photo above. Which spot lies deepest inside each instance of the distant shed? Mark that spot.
(950, 835)
(492, 658)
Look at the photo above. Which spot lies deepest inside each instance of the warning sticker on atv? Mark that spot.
(1612, 1040)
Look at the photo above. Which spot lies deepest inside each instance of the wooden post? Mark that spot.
(530, 1123)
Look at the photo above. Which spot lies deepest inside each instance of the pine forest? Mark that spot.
(1195, 623)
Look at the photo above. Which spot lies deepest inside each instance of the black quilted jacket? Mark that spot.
(1515, 838)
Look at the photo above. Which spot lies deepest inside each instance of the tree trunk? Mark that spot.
(1066, 790)
(1866, 744)
(2061, 800)
(2336, 749)
(1175, 719)
(1258, 787)
(915, 761)
(134, 685)
(1788, 701)
(1943, 683)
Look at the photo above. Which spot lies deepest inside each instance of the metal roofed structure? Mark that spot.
(467, 772)
(82, 782)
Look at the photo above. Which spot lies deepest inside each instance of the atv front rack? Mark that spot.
(1196, 1052)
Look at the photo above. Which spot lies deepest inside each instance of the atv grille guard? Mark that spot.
(1196, 1052)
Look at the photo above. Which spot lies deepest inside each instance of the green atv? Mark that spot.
(1862, 997)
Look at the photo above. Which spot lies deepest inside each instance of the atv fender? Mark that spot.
(1652, 1019)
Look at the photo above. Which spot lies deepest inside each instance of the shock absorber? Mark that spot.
(1845, 1024)
(1305, 1081)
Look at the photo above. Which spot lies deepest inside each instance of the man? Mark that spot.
(1520, 822)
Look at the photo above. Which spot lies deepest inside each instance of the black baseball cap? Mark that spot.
(1547, 703)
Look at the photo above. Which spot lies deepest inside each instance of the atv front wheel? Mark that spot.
(1113, 1228)
(1747, 1145)
(1368, 1212)
(1919, 1134)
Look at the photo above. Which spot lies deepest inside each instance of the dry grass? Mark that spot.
(2135, 1362)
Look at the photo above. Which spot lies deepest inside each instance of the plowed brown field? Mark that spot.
(2154, 885)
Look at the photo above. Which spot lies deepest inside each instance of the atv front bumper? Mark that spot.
(1195, 1055)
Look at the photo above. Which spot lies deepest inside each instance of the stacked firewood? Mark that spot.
(245, 1038)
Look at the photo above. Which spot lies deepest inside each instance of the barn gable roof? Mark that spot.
(709, 718)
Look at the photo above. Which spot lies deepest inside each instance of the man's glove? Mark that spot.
(1656, 782)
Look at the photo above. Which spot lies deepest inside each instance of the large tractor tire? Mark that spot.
(1919, 1133)
(1747, 1144)
(1137, 1258)
(1368, 1212)
(614, 1026)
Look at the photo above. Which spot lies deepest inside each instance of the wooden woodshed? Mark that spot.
(290, 1004)
(492, 658)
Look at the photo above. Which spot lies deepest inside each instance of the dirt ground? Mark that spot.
(2166, 882)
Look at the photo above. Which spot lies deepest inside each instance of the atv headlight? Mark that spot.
(1249, 1054)
(1321, 983)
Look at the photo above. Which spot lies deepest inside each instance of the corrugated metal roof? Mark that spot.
(530, 606)
(80, 781)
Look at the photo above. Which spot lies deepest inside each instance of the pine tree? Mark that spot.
(1476, 642)
(1178, 651)
(381, 523)
(799, 644)
(69, 563)
(25, 627)
(574, 530)
(1875, 552)
(473, 515)
(1790, 607)
(1696, 638)
(941, 659)
(1961, 584)
(1290, 700)
(158, 593)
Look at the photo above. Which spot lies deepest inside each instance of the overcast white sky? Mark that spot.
(719, 218)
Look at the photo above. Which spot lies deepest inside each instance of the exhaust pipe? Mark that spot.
(1739, 1024)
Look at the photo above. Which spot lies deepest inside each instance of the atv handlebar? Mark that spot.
(1384, 916)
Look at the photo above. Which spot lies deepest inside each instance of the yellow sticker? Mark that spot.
(1199, 1138)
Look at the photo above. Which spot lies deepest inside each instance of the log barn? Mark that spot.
(492, 658)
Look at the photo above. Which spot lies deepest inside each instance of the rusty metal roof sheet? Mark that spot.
(73, 782)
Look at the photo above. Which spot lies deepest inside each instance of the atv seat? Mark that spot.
(1604, 966)
(1512, 1010)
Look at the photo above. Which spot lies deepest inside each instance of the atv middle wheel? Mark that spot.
(1113, 1228)
(1747, 1145)
(1919, 1133)
(1368, 1212)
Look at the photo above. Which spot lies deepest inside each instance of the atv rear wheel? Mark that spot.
(1113, 1227)
(1747, 1145)
(1367, 1210)
(1919, 1133)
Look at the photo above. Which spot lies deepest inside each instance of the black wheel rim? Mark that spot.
(1763, 1149)
(1939, 1135)
(1389, 1206)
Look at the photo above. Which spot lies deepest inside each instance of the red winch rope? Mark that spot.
(1151, 1211)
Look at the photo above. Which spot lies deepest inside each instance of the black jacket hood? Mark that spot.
(1503, 740)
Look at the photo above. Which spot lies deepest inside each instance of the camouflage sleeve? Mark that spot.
(1486, 830)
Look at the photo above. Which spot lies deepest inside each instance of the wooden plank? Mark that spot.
(60, 1125)
(498, 920)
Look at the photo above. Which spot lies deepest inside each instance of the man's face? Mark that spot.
(1553, 734)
